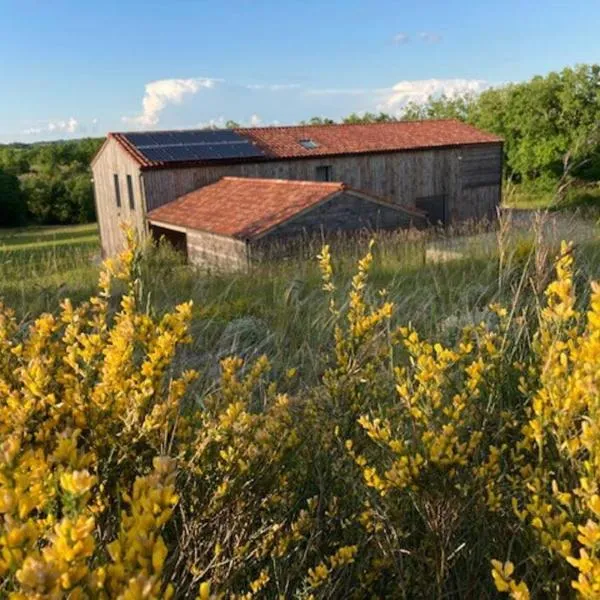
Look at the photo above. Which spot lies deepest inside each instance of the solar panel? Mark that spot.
(180, 146)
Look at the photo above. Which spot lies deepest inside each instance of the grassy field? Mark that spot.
(39, 264)
(279, 308)
(30, 237)
(377, 451)
(581, 197)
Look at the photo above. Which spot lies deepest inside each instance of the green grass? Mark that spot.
(578, 197)
(39, 265)
(28, 237)
(279, 308)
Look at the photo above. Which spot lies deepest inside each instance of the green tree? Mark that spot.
(368, 117)
(13, 210)
(318, 121)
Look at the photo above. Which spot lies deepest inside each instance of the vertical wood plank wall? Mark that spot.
(400, 177)
(114, 160)
(216, 252)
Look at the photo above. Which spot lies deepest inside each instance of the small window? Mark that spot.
(130, 192)
(308, 144)
(117, 190)
(323, 173)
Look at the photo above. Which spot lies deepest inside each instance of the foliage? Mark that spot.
(54, 180)
(549, 124)
(368, 117)
(13, 211)
(414, 468)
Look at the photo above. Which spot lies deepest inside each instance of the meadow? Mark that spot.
(414, 417)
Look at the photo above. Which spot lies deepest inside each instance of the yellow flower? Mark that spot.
(77, 482)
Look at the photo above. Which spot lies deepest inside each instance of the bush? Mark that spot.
(415, 468)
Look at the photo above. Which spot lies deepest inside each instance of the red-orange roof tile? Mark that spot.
(243, 207)
(284, 142)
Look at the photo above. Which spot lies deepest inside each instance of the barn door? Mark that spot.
(434, 207)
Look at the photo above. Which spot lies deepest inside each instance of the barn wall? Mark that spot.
(480, 174)
(401, 176)
(344, 212)
(479, 203)
(216, 252)
(113, 159)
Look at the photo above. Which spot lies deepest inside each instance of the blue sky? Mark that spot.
(72, 68)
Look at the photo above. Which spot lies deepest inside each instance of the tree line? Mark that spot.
(550, 124)
(47, 183)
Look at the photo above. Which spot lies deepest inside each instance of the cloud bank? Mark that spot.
(70, 125)
(159, 94)
(419, 91)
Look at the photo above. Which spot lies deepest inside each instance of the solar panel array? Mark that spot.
(178, 146)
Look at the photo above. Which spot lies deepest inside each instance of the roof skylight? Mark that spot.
(308, 144)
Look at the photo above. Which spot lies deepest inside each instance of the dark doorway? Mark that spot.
(435, 207)
(177, 239)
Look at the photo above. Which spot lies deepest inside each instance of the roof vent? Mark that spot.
(308, 144)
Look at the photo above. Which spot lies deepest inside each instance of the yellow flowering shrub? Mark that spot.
(460, 466)
(556, 474)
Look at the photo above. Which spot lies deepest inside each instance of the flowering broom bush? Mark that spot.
(418, 468)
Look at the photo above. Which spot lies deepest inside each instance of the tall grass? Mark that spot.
(434, 438)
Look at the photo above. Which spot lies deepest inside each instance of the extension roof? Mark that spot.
(152, 150)
(246, 208)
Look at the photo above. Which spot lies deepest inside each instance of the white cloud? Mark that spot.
(221, 122)
(217, 123)
(401, 38)
(430, 37)
(70, 125)
(419, 91)
(273, 87)
(255, 121)
(163, 92)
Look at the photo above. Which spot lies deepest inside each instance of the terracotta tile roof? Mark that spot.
(284, 142)
(244, 207)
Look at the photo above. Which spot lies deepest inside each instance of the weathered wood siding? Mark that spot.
(479, 203)
(114, 160)
(342, 213)
(401, 177)
(480, 166)
(216, 252)
(481, 183)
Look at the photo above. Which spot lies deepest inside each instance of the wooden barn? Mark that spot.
(441, 171)
(224, 224)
